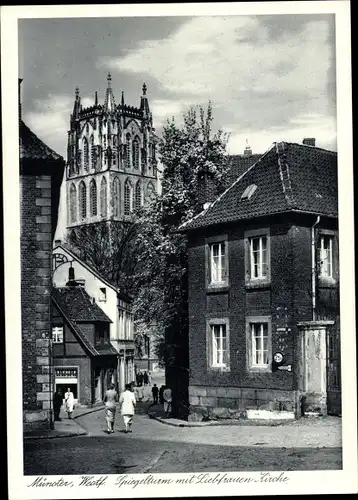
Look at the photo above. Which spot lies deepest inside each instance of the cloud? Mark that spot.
(50, 120)
(257, 79)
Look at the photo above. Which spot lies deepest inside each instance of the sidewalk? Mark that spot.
(65, 427)
(157, 413)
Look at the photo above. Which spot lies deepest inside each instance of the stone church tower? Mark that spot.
(111, 159)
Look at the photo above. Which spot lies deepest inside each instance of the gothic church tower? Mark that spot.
(111, 159)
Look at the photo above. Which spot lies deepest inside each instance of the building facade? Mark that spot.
(264, 291)
(116, 305)
(111, 159)
(83, 357)
(41, 171)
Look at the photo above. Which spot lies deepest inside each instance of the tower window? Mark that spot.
(135, 155)
(93, 198)
(128, 199)
(73, 203)
(85, 154)
(116, 197)
(103, 197)
(138, 195)
(92, 153)
(128, 151)
(82, 201)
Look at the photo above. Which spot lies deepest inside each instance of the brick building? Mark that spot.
(84, 359)
(41, 171)
(264, 290)
(114, 303)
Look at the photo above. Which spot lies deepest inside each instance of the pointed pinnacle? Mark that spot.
(144, 89)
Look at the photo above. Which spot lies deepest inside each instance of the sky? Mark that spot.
(269, 78)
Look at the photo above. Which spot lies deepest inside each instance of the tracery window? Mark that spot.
(135, 153)
(73, 203)
(116, 197)
(138, 195)
(82, 201)
(93, 198)
(85, 154)
(103, 197)
(128, 197)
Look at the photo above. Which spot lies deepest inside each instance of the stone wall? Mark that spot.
(211, 403)
(35, 300)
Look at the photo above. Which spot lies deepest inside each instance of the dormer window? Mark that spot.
(249, 191)
(102, 295)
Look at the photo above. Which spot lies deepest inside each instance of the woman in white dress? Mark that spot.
(127, 401)
(69, 402)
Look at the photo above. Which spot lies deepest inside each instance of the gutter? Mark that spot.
(313, 269)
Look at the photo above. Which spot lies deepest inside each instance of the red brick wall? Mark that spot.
(287, 301)
(84, 376)
(35, 298)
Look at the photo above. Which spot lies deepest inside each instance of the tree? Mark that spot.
(109, 248)
(186, 153)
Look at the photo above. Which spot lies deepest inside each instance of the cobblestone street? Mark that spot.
(308, 444)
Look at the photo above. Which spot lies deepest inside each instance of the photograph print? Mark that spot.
(180, 257)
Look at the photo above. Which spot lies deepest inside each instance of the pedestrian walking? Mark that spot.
(155, 391)
(149, 378)
(145, 378)
(69, 402)
(128, 402)
(57, 403)
(167, 396)
(110, 400)
(140, 379)
(161, 390)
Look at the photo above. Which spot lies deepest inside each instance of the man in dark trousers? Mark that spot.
(155, 392)
(161, 398)
(57, 403)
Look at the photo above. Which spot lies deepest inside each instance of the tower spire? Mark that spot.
(77, 103)
(109, 103)
(122, 99)
(96, 98)
(144, 100)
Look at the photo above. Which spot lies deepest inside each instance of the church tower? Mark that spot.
(111, 159)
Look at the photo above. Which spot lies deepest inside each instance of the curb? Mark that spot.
(81, 432)
(215, 423)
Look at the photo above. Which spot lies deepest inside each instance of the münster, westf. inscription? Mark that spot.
(134, 482)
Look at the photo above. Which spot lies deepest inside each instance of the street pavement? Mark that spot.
(306, 444)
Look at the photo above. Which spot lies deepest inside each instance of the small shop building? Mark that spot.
(84, 359)
(115, 304)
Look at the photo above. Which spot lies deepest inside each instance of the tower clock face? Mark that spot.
(278, 357)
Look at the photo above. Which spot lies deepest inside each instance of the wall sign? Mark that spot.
(64, 372)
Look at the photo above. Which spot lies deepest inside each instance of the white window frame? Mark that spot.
(323, 272)
(223, 324)
(222, 272)
(263, 277)
(251, 322)
(260, 263)
(57, 334)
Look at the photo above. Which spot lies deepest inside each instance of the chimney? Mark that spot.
(71, 277)
(247, 150)
(309, 141)
(207, 190)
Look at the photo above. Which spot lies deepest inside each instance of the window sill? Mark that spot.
(217, 288)
(260, 369)
(327, 282)
(261, 284)
(219, 369)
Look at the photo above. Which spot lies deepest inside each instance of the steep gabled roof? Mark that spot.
(61, 298)
(32, 148)
(288, 177)
(93, 271)
(78, 306)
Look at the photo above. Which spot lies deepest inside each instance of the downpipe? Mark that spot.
(313, 244)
